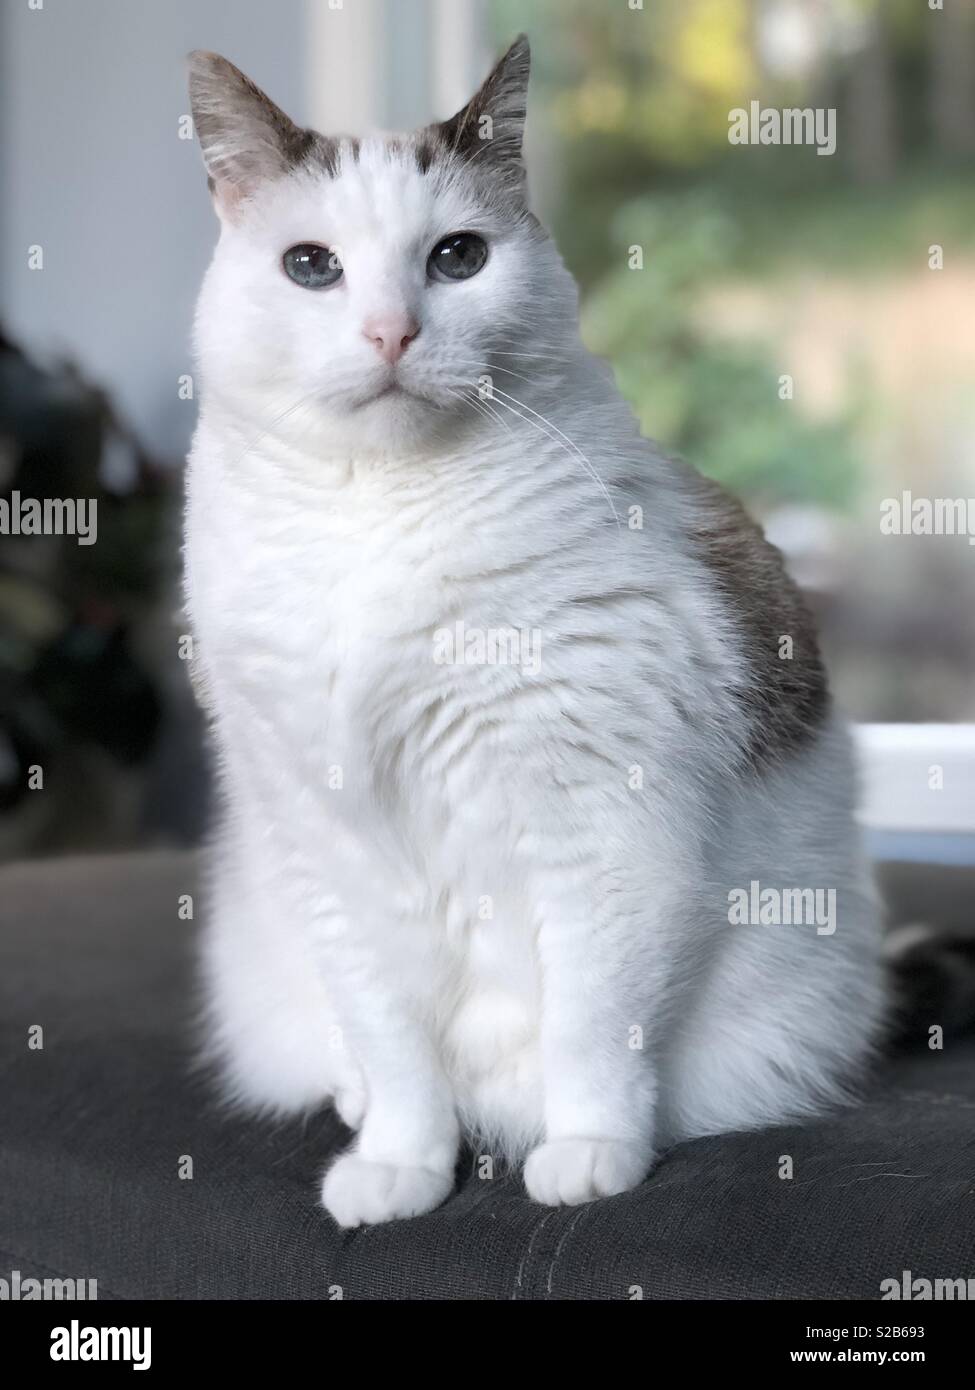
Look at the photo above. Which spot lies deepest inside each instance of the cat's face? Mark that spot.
(362, 291)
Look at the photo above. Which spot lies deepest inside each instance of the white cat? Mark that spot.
(508, 706)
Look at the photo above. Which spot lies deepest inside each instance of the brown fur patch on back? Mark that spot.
(786, 698)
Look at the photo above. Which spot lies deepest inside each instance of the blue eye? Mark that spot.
(311, 266)
(457, 257)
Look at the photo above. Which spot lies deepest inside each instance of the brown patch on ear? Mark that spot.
(245, 138)
(489, 128)
(786, 699)
(425, 151)
(324, 152)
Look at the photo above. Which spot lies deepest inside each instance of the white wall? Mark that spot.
(92, 170)
(394, 64)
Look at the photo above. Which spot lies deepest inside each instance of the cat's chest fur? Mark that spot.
(317, 620)
(318, 616)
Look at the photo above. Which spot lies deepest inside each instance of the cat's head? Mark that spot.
(362, 289)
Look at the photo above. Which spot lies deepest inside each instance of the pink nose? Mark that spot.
(390, 334)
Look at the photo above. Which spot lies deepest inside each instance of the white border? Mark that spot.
(900, 768)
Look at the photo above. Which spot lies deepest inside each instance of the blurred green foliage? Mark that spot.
(716, 403)
(637, 102)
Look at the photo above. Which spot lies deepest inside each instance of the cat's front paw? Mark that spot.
(570, 1171)
(357, 1192)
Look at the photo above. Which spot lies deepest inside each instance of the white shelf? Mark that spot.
(899, 773)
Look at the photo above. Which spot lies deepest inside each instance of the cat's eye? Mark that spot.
(311, 266)
(457, 257)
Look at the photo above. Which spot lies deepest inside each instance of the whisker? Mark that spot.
(542, 356)
(558, 437)
(489, 367)
(278, 420)
(479, 405)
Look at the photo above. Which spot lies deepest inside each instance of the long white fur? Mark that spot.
(438, 898)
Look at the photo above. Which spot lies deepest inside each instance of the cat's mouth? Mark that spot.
(390, 391)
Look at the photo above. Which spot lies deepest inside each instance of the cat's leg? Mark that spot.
(303, 1007)
(270, 1022)
(346, 933)
(599, 1076)
(402, 1163)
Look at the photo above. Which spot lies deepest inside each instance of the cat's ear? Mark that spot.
(490, 127)
(245, 138)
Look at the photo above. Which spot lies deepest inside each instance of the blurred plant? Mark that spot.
(718, 404)
(638, 98)
(75, 697)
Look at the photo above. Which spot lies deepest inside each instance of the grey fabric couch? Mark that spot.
(97, 1125)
